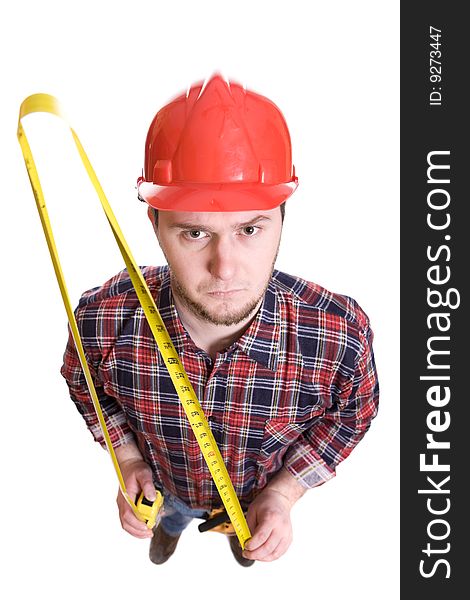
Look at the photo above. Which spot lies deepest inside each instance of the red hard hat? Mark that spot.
(218, 147)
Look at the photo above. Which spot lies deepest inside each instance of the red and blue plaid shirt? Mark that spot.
(298, 389)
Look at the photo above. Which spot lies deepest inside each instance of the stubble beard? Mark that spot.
(233, 317)
(227, 317)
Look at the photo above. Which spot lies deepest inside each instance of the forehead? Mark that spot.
(216, 220)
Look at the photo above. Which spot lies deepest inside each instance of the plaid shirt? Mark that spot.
(298, 389)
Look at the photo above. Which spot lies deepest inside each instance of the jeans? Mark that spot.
(177, 515)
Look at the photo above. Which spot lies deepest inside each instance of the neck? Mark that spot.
(210, 337)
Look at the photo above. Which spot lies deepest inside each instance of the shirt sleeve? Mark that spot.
(313, 458)
(114, 417)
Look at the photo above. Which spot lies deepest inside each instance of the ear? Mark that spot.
(151, 216)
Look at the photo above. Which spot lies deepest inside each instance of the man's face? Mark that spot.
(220, 263)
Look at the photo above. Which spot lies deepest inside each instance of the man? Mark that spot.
(284, 370)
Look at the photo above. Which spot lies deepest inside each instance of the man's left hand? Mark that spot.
(268, 518)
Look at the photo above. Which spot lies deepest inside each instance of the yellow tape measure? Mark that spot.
(184, 389)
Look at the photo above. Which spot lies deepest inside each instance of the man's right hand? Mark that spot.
(137, 476)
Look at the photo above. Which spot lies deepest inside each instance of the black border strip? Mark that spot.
(434, 257)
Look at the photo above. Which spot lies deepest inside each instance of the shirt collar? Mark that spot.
(260, 341)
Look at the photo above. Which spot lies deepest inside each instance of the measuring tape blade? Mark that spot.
(183, 387)
(33, 104)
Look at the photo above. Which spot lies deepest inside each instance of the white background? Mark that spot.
(332, 68)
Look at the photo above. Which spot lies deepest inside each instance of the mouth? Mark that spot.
(226, 294)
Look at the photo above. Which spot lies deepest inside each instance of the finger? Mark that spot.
(260, 536)
(138, 533)
(128, 518)
(145, 481)
(251, 520)
(149, 491)
(264, 549)
(135, 526)
(278, 551)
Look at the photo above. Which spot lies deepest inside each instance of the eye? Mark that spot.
(250, 230)
(195, 234)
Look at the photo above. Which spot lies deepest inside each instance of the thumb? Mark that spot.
(146, 485)
(251, 519)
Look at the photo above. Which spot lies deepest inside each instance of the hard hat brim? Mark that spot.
(212, 197)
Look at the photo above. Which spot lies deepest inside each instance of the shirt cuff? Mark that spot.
(306, 465)
(118, 429)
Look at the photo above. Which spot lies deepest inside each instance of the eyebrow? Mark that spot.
(198, 226)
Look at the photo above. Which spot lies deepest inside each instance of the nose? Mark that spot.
(222, 262)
